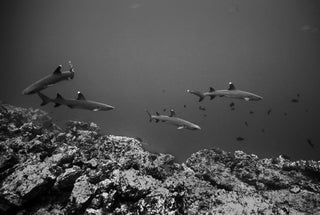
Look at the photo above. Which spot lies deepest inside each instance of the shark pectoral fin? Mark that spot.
(96, 109)
(246, 98)
(56, 105)
(180, 127)
(157, 120)
(212, 97)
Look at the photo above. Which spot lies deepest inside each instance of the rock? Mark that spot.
(7, 160)
(90, 211)
(295, 189)
(26, 183)
(82, 192)
(93, 163)
(67, 179)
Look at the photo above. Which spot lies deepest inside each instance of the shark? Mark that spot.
(173, 120)
(50, 80)
(231, 92)
(80, 102)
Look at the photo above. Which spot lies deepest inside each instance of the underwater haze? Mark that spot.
(145, 54)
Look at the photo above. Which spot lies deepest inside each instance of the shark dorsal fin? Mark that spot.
(80, 96)
(157, 114)
(211, 89)
(231, 86)
(58, 70)
(172, 113)
(59, 96)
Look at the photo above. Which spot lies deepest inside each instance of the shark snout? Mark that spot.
(27, 91)
(196, 127)
(255, 98)
(109, 107)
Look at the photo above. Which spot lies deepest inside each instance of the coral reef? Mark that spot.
(77, 170)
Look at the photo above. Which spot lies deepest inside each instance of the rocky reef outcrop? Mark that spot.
(77, 170)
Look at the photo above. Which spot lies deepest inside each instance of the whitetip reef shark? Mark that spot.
(173, 120)
(50, 80)
(79, 103)
(231, 92)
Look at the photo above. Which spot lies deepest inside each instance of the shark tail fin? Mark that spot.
(45, 99)
(71, 70)
(150, 116)
(197, 93)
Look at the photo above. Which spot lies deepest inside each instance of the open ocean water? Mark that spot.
(145, 54)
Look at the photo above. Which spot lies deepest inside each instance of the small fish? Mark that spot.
(307, 110)
(204, 115)
(164, 109)
(269, 111)
(310, 143)
(251, 112)
(231, 104)
(163, 91)
(240, 139)
(232, 108)
(305, 28)
(308, 28)
(135, 6)
(285, 113)
(234, 9)
(246, 123)
(184, 106)
(298, 95)
(262, 130)
(202, 108)
(294, 100)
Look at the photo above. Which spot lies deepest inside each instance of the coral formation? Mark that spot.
(77, 170)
